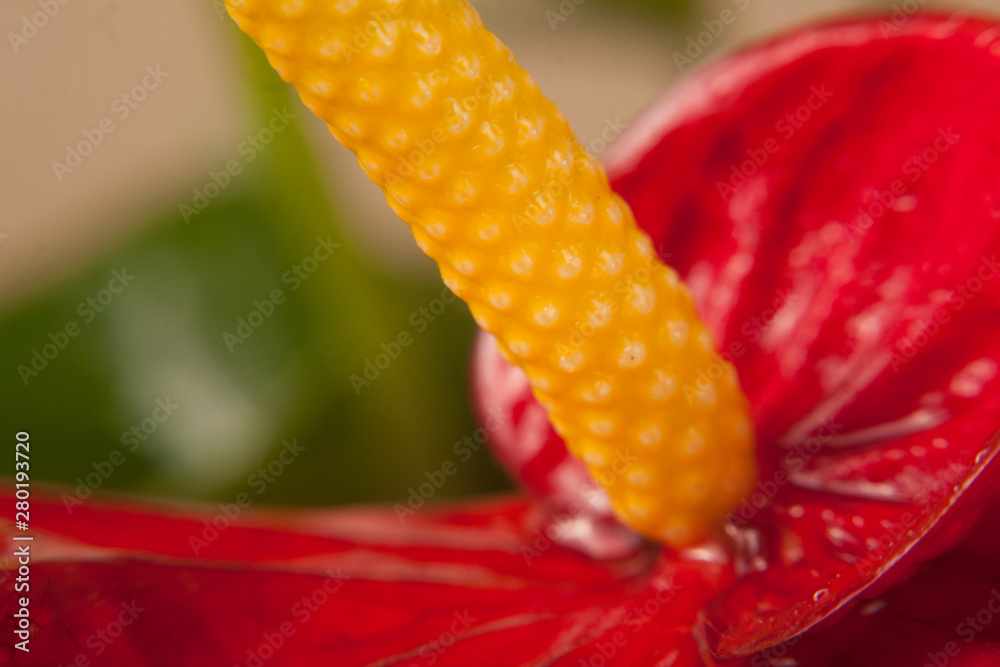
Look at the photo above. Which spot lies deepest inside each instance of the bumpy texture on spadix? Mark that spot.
(526, 230)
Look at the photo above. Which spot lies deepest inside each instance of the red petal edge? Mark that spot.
(833, 199)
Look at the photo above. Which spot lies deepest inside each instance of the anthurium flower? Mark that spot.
(831, 199)
(117, 584)
(812, 194)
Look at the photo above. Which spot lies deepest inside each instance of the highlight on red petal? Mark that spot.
(833, 200)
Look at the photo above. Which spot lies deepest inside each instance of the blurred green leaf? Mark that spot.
(177, 335)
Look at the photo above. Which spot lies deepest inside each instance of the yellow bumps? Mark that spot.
(526, 230)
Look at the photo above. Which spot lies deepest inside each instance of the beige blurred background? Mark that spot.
(63, 78)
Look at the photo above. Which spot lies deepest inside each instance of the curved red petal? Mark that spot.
(833, 199)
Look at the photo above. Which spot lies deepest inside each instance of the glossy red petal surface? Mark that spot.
(833, 199)
(479, 585)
